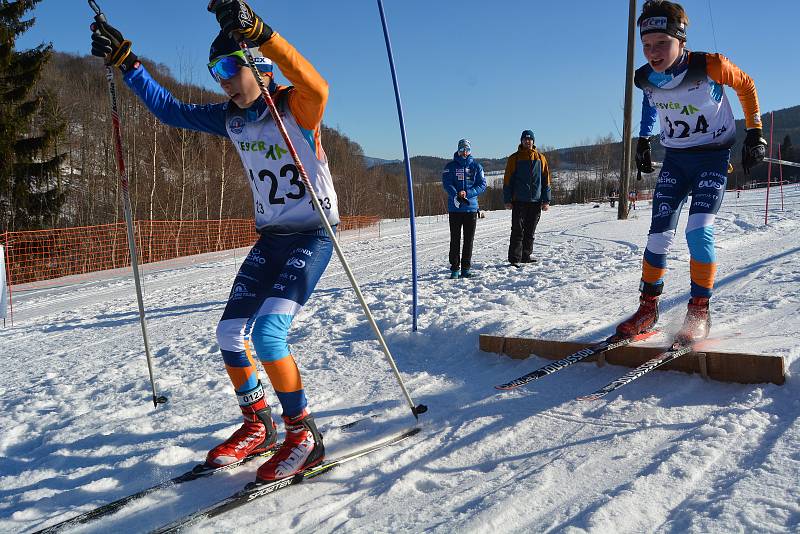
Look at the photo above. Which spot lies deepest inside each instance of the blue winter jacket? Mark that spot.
(463, 174)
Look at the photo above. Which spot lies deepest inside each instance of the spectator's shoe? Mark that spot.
(530, 259)
(454, 274)
(466, 273)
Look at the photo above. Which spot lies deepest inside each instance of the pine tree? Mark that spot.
(31, 194)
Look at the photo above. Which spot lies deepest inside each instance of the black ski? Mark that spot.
(197, 472)
(606, 345)
(676, 351)
(254, 490)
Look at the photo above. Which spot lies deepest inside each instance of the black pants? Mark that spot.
(457, 221)
(524, 218)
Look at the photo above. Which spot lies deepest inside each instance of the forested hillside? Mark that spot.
(174, 174)
(177, 174)
(606, 152)
(786, 130)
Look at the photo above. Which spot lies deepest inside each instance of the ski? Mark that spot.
(606, 345)
(254, 490)
(197, 472)
(676, 351)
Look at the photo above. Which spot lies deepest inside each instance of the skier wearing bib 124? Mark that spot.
(684, 90)
(283, 267)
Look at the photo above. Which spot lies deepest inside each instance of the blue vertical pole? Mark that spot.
(409, 179)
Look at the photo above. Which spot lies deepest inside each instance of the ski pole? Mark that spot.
(782, 162)
(409, 178)
(415, 409)
(126, 201)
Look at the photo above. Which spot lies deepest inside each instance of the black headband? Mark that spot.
(663, 25)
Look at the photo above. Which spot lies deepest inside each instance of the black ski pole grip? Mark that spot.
(98, 15)
(213, 5)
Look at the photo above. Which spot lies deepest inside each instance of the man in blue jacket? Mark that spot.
(463, 181)
(526, 191)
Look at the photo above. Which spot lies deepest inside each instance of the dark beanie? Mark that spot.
(527, 134)
(224, 44)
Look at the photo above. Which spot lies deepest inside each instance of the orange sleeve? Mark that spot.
(545, 169)
(307, 101)
(510, 164)
(722, 71)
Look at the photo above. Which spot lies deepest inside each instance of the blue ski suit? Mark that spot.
(285, 264)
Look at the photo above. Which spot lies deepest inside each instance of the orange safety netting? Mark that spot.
(44, 254)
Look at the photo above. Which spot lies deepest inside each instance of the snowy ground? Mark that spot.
(668, 453)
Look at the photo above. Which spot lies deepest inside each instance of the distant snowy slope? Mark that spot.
(669, 453)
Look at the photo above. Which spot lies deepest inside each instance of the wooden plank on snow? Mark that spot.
(737, 367)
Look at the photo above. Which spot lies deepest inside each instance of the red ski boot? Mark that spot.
(697, 322)
(302, 448)
(646, 316)
(257, 435)
(643, 320)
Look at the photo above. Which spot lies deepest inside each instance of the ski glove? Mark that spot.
(753, 150)
(108, 43)
(239, 21)
(644, 161)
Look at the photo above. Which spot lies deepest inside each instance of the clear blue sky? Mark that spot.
(481, 70)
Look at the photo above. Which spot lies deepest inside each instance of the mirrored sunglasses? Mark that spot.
(227, 66)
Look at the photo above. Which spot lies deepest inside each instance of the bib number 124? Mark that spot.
(682, 128)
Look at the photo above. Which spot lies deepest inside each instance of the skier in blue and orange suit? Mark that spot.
(283, 267)
(684, 90)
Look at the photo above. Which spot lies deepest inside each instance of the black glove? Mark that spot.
(644, 161)
(754, 149)
(108, 43)
(239, 21)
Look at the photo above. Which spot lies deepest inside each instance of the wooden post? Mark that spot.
(627, 126)
(703, 362)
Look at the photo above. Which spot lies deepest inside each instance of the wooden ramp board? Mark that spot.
(722, 366)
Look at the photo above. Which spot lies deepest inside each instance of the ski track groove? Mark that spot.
(699, 504)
